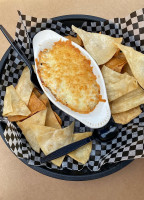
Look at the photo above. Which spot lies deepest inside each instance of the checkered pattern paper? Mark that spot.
(129, 143)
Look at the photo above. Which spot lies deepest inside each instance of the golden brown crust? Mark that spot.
(68, 75)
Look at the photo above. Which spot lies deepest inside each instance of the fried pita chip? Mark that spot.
(127, 116)
(35, 105)
(37, 93)
(116, 63)
(77, 39)
(127, 69)
(13, 105)
(50, 141)
(58, 118)
(135, 60)
(101, 47)
(29, 132)
(82, 154)
(117, 84)
(25, 86)
(128, 101)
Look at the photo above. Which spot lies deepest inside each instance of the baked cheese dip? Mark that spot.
(68, 75)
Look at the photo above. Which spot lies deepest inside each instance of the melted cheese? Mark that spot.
(68, 74)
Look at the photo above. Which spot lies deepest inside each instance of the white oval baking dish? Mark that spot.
(101, 114)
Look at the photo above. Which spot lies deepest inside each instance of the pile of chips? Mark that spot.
(122, 68)
(40, 125)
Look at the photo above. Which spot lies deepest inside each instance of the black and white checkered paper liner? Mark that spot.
(129, 143)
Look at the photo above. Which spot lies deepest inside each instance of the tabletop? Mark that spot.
(18, 181)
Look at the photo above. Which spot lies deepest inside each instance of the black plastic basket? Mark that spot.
(66, 174)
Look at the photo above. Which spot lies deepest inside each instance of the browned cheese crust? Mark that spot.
(69, 76)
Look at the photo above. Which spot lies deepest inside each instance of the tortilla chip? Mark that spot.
(13, 105)
(135, 60)
(117, 84)
(58, 118)
(37, 93)
(44, 99)
(50, 141)
(27, 127)
(7, 102)
(30, 131)
(117, 53)
(81, 154)
(34, 68)
(77, 39)
(128, 101)
(127, 116)
(101, 47)
(51, 119)
(116, 63)
(25, 86)
(16, 118)
(127, 69)
(35, 105)
(38, 118)
(30, 134)
(58, 161)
